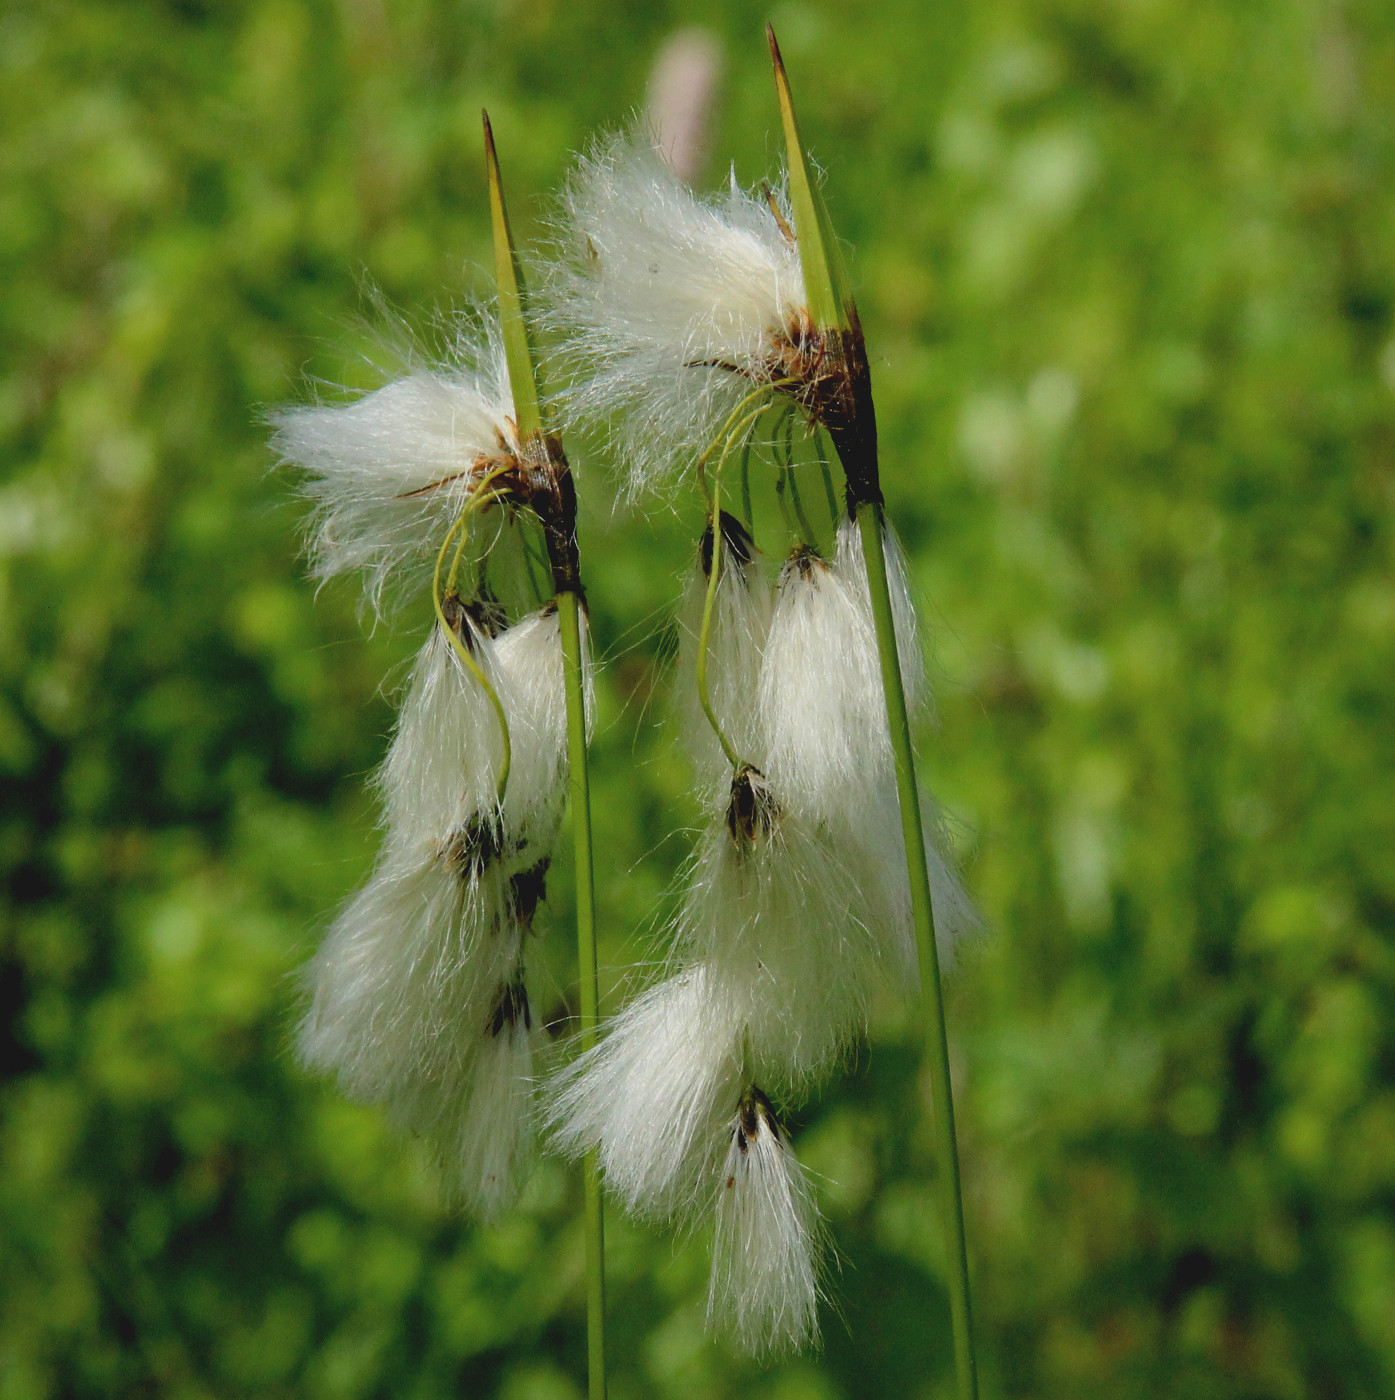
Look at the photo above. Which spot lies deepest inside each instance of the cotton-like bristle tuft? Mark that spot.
(763, 1293)
(822, 707)
(487, 1138)
(852, 564)
(821, 693)
(442, 767)
(774, 913)
(413, 957)
(662, 296)
(736, 641)
(388, 473)
(529, 657)
(652, 1095)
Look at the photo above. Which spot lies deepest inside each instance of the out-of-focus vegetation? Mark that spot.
(1128, 274)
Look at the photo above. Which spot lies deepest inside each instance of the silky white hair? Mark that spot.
(411, 959)
(762, 1295)
(782, 927)
(487, 1137)
(442, 766)
(387, 473)
(656, 290)
(823, 715)
(651, 1097)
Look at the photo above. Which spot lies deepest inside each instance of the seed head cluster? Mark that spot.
(418, 994)
(681, 320)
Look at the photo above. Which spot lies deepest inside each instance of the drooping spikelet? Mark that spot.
(672, 306)
(651, 1097)
(388, 473)
(774, 915)
(412, 959)
(763, 1292)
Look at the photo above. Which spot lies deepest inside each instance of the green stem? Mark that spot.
(870, 521)
(569, 615)
(746, 486)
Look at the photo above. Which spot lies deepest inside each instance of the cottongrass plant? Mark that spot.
(688, 321)
(419, 993)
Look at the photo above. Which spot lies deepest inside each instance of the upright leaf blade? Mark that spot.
(825, 278)
(517, 351)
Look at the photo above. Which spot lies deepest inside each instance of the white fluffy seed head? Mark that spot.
(442, 767)
(659, 287)
(411, 960)
(774, 914)
(529, 658)
(763, 1293)
(821, 707)
(651, 1097)
(388, 472)
(821, 701)
(486, 1136)
(849, 560)
(736, 642)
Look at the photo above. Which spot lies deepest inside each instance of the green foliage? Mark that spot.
(1128, 277)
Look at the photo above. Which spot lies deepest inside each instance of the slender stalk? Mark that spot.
(870, 522)
(560, 537)
(569, 614)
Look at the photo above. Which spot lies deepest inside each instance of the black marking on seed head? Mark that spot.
(477, 845)
(737, 545)
(754, 1112)
(805, 561)
(484, 615)
(752, 811)
(511, 1007)
(526, 891)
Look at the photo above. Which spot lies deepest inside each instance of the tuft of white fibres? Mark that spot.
(774, 914)
(530, 661)
(828, 747)
(852, 565)
(412, 957)
(763, 1293)
(824, 723)
(656, 290)
(736, 640)
(652, 1095)
(442, 766)
(483, 1126)
(388, 472)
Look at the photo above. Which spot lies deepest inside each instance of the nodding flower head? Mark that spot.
(676, 308)
(388, 472)
(650, 1098)
(763, 1292)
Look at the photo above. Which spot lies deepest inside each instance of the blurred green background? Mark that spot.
(1128, 273)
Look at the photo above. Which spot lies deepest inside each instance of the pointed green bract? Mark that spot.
(825, 278)
(517, 351)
